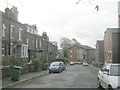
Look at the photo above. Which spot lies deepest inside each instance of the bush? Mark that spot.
(12, 60)
(63, 59)
(36, 65)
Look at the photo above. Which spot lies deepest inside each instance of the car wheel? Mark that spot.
(98, 84)
(49, 71)
(60, 71)
(110, 87)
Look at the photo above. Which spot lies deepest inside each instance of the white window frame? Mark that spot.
(3, 50)
(11, 48)
(27, 41)
(3, 30)
(24, 50)
(35, 31)
(32, 30)
(20, 34)
(11, 31)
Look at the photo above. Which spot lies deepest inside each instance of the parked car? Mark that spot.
(56, 67)
(72, 63)
(64, 67)
(109, 77)
(85, 64)
(77, 62)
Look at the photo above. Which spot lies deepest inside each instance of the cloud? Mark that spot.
(62, 18)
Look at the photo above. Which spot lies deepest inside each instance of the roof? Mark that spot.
(87, 47)
(82, 46)
(110, 64)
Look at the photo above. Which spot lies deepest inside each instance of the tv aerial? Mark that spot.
(90, 3)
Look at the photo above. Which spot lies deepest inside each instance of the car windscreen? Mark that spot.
(55, 64)
(115, 70)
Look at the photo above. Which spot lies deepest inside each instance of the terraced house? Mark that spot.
(22, 42)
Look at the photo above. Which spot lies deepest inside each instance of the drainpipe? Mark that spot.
(0, 50)
(9, 34)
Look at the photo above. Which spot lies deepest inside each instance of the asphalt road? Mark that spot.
(76, 76)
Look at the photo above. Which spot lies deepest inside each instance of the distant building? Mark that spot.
(90, 53)
(99, 52)
(54, 43)
(81, 53)
(112, 45)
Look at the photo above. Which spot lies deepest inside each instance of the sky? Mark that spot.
(63, 18)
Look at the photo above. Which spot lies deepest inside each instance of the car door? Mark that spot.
(61, 67)
(101, 75)
(105, 76)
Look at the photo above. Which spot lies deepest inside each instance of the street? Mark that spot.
(76, 76)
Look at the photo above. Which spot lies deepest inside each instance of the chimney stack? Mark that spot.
(12, 13)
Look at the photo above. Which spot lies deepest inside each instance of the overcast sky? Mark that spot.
(63, 18)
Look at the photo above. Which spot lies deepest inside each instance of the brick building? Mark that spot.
(112, 45)
(13, 40)
(23, 42)
(81, 53)
(99, 53)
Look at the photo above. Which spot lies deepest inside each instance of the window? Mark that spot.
(31, 30)
(20, 34)
(11, 31)
(11, 48)
(114, 70)
(3, 49)
(24, 50)
(3, 30)
(84, 57)
(35, 32)
(71, 51)
(27, 41)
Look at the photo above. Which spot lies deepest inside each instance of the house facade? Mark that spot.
(13, 34)
(81, 53)
(99, 53)
(0, 41)
(22, 42)
(111, 45)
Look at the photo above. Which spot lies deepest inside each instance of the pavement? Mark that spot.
(8, 83)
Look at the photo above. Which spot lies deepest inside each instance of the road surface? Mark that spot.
(76, 76)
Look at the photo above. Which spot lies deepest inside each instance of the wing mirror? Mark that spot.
(106, 72)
